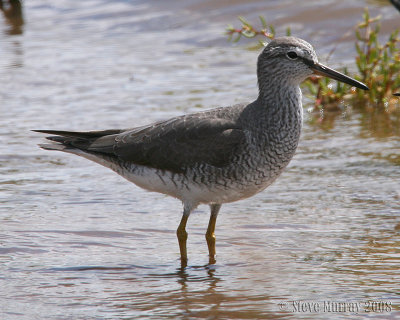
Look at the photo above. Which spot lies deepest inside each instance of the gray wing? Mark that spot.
(175, 144)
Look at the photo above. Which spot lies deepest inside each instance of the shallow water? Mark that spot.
(79, 242)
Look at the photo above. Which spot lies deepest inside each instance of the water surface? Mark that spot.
(79, 242)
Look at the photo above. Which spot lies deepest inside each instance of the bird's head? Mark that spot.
(292, 60)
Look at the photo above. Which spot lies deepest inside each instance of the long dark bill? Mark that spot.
(322, 70)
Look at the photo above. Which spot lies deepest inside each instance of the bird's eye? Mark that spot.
(292, 55)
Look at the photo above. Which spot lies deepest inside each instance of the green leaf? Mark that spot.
(366, 15)
(358, 49)
(272, 29)
(263, 22)
(248, 33)
(239, 35)
(245, 22)
(358, 35)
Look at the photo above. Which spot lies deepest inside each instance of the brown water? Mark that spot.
(79, 242)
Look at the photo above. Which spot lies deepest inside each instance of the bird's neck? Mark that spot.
(280, 107)
(277, 117)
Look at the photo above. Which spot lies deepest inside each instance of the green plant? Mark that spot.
(378, 64)
(249, 31)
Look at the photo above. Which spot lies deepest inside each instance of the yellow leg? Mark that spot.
(182, 237)
(210, 236)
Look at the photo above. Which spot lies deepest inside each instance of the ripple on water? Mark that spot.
(79, 242)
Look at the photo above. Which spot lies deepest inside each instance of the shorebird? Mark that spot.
(216, 156)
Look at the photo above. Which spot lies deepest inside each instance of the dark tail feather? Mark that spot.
(80, 143)
(83, 135)
(81, 140)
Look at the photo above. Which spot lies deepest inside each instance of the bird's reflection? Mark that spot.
(12, 11)
(185, 277)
